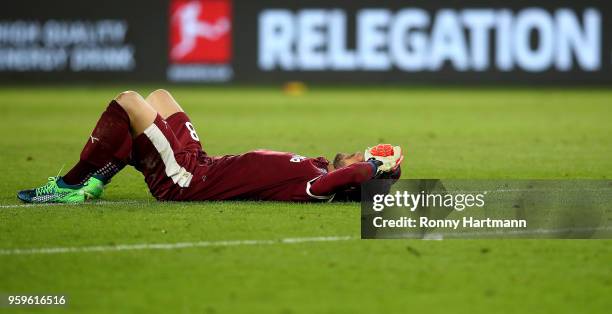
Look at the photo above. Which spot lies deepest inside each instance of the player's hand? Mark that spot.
(388, 157)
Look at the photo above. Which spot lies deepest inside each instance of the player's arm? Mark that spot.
(352, 175)
(381, 160)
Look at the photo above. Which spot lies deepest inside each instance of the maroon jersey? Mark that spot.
(257, 175)
(176, 168)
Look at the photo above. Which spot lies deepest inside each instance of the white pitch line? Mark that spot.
(497, 233)
(79, 204)
(169, 246)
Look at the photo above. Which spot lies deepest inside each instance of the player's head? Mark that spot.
(344, 159)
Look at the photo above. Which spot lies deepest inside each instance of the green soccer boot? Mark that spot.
(93, 188)
(55, 191)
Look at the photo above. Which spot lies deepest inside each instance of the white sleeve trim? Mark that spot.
(329, 198)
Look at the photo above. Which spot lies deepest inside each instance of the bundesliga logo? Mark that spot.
(200, 40)
(200, 31)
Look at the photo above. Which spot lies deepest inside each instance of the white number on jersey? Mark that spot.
(192, 131)
(297, 158)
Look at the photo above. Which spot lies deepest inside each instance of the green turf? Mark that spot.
(446, 133)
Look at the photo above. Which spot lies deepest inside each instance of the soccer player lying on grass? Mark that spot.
(156, 137)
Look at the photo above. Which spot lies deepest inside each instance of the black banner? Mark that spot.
(316, 41)
(472, 209)
(78, 40)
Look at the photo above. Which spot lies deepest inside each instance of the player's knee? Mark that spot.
(127, 95)
(159, 94)
(127, 98)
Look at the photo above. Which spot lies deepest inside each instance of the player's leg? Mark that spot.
(108, 148)
(159, 152)
(155, 150)
(165, 104)
(162, 101)
(141, 114)
(105, 153)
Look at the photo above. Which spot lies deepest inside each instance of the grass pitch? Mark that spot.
(446, 133)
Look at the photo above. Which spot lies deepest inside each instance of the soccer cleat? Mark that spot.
(93, 188)
(55, 191)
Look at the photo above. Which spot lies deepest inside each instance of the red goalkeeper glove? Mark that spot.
(388, 157)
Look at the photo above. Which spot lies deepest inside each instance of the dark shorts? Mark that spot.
(168, 154)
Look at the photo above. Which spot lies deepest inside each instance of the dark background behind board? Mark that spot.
(148, 33)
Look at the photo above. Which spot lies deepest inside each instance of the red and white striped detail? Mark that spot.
(176, 172)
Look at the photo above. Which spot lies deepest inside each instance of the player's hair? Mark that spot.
(339, 161)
